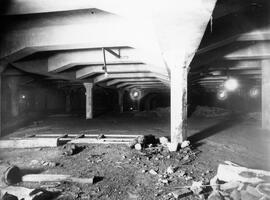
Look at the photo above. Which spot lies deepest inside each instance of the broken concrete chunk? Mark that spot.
(141, 139)
(230, 173)
(214, 183)
(253, 191)
(153, 172)
(133, 143)
(230, 185)
(247, 196)
(25, 193)
(188, 178)
(34, 162)
(185, 144)
(181, 193)
(235, 195)
(163, 140)
(265, 198)
(197, 187)
(170, 170)
(138, 147)
(172, 146)
(215, 195)
(264, 189)
(7, 196)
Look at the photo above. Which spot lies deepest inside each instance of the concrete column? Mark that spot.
(68, 101)
(13, 86)
(89, 100)
(121, 100)
(0, 104)
(265, 94)
(178, 104)
(2, 68)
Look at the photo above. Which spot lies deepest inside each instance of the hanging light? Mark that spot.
(222, 95)
(135, 94)
(254, 92)
(231, 84)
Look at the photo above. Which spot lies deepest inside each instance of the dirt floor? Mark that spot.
(124, 173)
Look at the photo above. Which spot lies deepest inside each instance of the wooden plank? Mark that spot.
(29, 143)
(96, 141)
(87, 135)
(55, 178)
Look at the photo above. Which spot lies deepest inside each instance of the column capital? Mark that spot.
(88, 85)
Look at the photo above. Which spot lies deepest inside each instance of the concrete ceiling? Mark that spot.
(125, 43)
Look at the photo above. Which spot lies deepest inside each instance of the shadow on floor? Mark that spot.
(215, 129)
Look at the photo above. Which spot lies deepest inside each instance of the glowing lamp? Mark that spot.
(231, 84)
(135, 94)
(222, 95)
(254, 92)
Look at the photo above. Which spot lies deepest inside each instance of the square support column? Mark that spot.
(68, 100)
(13, 84)
(265, 64)
(178, 105)
(89, 100)
(0, 104)
(121, 100)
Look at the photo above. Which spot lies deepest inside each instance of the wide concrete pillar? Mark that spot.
(121, 100)
(89, 100)
(178, 104)
(265, 94)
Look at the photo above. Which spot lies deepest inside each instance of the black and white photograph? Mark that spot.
(134, 99)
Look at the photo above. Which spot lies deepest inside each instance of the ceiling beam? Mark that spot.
(68, 59)
(116, 81)
(105, 77)
(137, 83)
(92, 70)
(261, 36)
(20, 7)
(79, 30)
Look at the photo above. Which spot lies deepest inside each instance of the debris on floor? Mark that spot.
(22, 193)
(240, 183)
(210, 112)
(71, 149)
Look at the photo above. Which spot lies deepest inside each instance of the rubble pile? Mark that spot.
(209, 112)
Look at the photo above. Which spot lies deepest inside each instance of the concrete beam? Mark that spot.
(20, 7)
(147, 87)
(261, 36)
(249, 51)
(40, 67)
(116, 81)
(92, 70)
(68, 59)
(137, 83)
(77, 30)
(105, 77)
